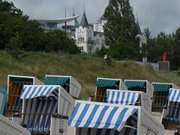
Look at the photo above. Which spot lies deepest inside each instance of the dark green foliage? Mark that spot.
(6, 6)
(156, 46)
(59, 41)
(165, 43)
(120, 29)
(175, 59)
(18, 33)
(14, 46)
(124, 50)
(102, 52)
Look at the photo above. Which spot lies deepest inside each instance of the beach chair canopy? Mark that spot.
(40, 103)
(102, 83)
(34, 91)
(161, 87)
(53, 80)
(174, 95)
(123, 97)
(100, 115)
(131, 84)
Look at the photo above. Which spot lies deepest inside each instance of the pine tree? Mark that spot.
(121, 28)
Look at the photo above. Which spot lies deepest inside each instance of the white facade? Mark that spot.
(99, 26)
(90, 39)
(84, 38)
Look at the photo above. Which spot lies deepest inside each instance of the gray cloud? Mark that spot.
(50, 9)
(158, 15)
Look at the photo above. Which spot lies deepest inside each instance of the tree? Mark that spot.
(150, 51)
(58, 41)
(18, 33)
(121, 28)
(14, 46)
(9, 7)
(162, 43)
(176, 55)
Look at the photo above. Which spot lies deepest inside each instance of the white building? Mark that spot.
(99, 25)
(88, 37)
(66, 24)
(84, 35)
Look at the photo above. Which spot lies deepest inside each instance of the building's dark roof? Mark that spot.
(84, 21)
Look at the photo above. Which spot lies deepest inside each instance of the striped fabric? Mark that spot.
(173, 109)
(99, 115)
(131, 125)
(122, 97)
(130, 128)
(173, 112)
(174, 95)
(33, 91)
(41, 102)
(38, 112)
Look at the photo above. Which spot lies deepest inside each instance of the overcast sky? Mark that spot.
(158, 15)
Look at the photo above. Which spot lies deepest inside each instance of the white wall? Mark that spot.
(99, 26)
(88, 41)
(83, 35)
(91, 38)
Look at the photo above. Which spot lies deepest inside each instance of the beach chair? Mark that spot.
(95, 118)
(15, 85)
(160, 95)
(40, 103)
(171, 115)
(125, 97)
(102, 84)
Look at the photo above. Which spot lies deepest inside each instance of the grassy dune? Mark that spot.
(85, 69)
